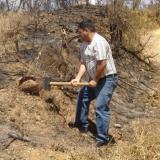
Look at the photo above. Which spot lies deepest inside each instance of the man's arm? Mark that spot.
(101, 68)
(102, 48)
(100, 72)
(81, 72)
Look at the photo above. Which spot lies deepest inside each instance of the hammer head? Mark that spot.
(34, 85)
(46, 83)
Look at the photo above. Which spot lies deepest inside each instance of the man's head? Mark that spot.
(86, 29)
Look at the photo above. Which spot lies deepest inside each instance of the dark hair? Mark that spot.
(87, 23)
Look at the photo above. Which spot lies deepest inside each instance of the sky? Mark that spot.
(92, 1)
(146, 1)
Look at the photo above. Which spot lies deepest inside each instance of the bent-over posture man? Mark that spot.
(97, 61)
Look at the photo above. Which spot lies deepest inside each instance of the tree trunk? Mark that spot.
(7, 2)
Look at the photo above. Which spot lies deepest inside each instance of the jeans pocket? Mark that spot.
(112, 83)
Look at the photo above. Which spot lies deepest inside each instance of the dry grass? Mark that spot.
(144, 146)
(12, 22)
(11, 30)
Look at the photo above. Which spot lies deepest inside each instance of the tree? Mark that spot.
(135, 4)
(7, 3)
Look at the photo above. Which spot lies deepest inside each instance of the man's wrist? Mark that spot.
(78, 77)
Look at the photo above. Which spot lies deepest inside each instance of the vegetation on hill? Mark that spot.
(45, 43)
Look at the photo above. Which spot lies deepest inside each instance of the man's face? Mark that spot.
(84, 33)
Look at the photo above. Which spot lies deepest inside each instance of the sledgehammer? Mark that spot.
(47, 83)
(31, 84)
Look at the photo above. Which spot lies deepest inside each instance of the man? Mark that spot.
(97, 61)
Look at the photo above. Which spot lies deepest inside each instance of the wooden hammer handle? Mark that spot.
(68, 84)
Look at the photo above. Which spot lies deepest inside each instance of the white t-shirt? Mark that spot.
(98, 49)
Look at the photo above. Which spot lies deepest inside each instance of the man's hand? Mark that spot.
(93, 83)
(75, 81)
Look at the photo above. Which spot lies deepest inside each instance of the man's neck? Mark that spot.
(91, 37)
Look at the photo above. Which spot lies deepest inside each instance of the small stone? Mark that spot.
(151, 93)
(12, 119)
(117, 125)
(38, 118)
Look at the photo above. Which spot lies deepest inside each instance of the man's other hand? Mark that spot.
(75, 81)
(92, 83)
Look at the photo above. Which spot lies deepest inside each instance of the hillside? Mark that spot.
(43, 50)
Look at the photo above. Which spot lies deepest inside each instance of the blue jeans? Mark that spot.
(103, 94)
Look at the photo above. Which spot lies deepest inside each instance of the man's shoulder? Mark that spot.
(101, 43)
(99, 38)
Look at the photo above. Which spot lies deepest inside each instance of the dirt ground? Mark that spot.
(44, 119)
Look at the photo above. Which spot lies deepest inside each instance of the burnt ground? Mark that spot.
(44, 119)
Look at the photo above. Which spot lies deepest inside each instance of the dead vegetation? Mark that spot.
(144, 145)
(35, 45)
